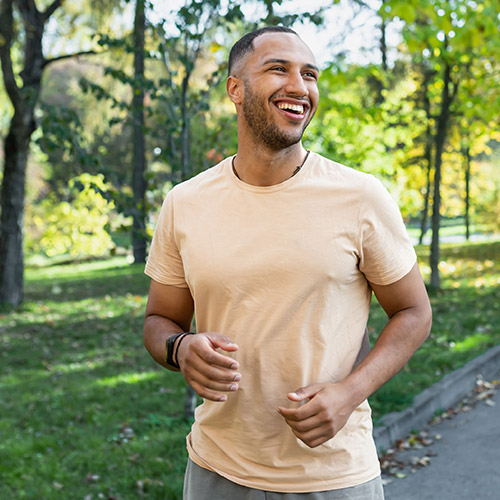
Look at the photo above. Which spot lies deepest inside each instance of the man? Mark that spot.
(279, 250)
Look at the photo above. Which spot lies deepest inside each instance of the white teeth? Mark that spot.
(293, 107)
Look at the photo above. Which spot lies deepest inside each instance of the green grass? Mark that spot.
(86, 414)
(452, 229)
(85, 411)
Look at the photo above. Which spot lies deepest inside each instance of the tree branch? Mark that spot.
(27, 8)
(166, 61)
(6, 32)
(68, 56)
(204, 94)
(51, 9)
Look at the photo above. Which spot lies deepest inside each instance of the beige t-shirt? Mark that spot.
(282, 270)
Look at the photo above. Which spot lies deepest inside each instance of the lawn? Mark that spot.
(86, 414)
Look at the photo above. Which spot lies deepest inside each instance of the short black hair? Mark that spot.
(245, 43)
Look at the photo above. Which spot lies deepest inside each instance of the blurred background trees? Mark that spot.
(105, 105)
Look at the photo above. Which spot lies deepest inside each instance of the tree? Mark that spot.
(475, 123)
(448, 37)
(449, 91)
(428, 141)
(22, 30)
(182, 55)
(22, 125)
(139, 166)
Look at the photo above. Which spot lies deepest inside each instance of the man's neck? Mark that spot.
(264, 167)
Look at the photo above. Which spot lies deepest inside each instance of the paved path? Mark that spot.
(463, 464)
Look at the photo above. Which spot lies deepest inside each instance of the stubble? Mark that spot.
(264, 129)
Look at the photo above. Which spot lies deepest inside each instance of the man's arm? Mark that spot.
(329, 405)
(169, 311)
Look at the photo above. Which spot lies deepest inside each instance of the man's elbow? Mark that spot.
(426, 320)
(148, 331)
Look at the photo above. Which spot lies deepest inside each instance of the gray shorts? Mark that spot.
(202, 484)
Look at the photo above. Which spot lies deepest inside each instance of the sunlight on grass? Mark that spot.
(470, 342)
(73, 269)
(130, 378)
(80, 366)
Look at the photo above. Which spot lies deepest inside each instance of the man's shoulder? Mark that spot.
(371, 190)
(339, 172)
(202, 182)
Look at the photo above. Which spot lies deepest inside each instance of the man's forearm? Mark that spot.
(157, 330)
(401, 337)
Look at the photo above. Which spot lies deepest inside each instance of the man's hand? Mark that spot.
(205, 369)
(320, 418)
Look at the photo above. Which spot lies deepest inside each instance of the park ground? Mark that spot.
(86, 414)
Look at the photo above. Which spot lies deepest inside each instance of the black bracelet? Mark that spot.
(170, 350)
(184, 335)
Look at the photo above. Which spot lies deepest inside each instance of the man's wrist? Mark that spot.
(169, 350)
(172, 348)
(355, 387)
(179, 342)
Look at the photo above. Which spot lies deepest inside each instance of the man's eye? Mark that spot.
(279, 68)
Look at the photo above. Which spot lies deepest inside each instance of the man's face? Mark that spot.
(280, 89)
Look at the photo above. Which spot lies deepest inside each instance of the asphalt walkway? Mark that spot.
(457, 458)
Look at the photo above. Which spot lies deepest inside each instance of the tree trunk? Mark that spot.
(467, 192)
(383, 42)
(184, 129)
(440, 141)
(428, 159)
(189, 403)
(427, 155)
(139, 168)
(12, 216)
(425, 211)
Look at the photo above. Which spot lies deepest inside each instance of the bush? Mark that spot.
(76, 227)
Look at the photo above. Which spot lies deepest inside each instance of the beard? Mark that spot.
(264, 129)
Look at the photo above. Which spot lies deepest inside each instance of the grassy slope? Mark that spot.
(86, 414)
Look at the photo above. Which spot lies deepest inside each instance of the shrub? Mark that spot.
(76, 226)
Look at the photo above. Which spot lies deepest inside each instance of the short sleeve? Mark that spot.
(164, 263)
(386, 252)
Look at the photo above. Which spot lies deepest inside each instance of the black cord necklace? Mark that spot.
(296, 171)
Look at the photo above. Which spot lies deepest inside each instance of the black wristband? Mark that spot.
(183, 336)
(169, 358)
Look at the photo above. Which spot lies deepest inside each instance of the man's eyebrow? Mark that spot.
(285, 61)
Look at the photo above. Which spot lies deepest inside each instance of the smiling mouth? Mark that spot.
(297, 109)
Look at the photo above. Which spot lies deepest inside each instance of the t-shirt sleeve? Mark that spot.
(164, 262)
(386, 252)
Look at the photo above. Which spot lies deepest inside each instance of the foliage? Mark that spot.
(367, 119)
(193, 63)
(62, 139)
(86, 412)
(371, 116)
(76, 227)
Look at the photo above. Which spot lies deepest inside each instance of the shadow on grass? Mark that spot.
(110, 281)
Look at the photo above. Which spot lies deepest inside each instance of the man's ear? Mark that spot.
(234, 87)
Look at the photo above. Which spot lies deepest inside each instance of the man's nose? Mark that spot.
(295, 84)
